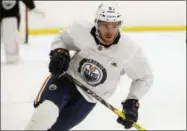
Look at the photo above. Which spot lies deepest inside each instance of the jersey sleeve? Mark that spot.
(29, 4)
(65, 39)
(141, 74)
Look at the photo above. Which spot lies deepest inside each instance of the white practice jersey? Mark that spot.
(100, 68)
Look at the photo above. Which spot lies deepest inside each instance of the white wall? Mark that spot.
(61, 13)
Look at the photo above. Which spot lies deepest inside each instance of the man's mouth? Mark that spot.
(109, 36)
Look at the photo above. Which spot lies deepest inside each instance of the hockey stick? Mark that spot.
(109, 106)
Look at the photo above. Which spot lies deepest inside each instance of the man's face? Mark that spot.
(108, 31)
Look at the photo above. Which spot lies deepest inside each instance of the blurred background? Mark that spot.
(138, 15)
(159, 26)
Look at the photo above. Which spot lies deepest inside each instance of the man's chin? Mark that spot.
(108, 41)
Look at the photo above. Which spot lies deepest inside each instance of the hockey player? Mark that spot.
(10, 22)
(103, 54)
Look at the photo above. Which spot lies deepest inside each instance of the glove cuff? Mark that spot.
(60, 51)
(131, 103)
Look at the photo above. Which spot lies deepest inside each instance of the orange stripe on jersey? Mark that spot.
(41, 89)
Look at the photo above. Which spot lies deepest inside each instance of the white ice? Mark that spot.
(164, 106)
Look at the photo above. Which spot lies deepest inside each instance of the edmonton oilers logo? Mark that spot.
(52, 87)
(92, 72)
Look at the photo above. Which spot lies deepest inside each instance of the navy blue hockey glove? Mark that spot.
(59, 61)
(130, 109)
